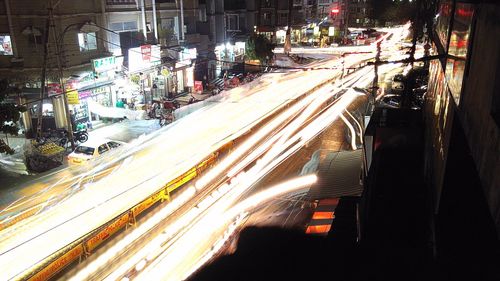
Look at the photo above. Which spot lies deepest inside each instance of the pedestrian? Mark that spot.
(72, 119)
(119, 103)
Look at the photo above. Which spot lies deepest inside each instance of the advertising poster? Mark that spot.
(198, 87)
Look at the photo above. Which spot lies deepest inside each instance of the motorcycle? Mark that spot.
(81, 135)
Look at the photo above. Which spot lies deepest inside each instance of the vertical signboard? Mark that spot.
(198, 87)
(146, 53)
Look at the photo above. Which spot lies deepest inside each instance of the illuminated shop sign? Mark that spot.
(104, 64)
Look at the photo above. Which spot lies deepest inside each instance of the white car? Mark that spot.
(91, 150)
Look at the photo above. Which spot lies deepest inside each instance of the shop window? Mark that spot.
(5, 45)
(87, 41)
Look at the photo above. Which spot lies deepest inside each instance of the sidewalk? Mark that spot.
(13, 171)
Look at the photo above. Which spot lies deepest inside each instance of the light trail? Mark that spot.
(158, 158)
(353, 132)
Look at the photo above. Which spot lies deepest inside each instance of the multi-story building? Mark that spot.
(359, 12)
(273, 19)
(231, 22)
(23, 26)
(176, 32)
(102, 45)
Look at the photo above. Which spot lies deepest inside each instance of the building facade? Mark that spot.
(231, 22)
(109, 50)
(359, 13)
(462, 111)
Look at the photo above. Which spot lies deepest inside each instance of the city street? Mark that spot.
(88, 197)
(249, 140)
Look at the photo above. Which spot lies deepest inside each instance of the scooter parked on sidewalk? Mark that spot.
(81, 135)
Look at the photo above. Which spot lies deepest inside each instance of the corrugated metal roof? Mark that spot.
(338, 175)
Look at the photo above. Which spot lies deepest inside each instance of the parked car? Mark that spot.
(92, 149)
(390, 101)
(397, 86)
(397, 83)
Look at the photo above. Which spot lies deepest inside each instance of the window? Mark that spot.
(87, 41)
(102, 148)
(113, 144)
(124, 26)
(85, 150)
(282, 18)
(232, 22)
(5, 46)
(458, 47)
(266, 18)
(443, 21)
(120, 2)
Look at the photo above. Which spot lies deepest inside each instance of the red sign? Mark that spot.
(146, 52)
(53, 89)
(198, 87)
(335, 11)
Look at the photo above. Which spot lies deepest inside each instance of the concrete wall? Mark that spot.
(482, 133)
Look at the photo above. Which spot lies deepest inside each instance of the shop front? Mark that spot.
(84, 111)
(183, 71)
(229, 56)
(144, 62)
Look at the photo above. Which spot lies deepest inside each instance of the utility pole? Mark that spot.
(180, 4)
(287, 48)
(44, 71)
(143, 18)
(155, 23)
(61, 78)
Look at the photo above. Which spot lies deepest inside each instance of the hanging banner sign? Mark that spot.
(53, 89)
(73, 97)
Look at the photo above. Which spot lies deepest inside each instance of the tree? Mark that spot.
(10, 113)
(260, 48)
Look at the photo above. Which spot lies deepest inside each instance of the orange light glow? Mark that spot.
(323, 215)
(318, 229)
